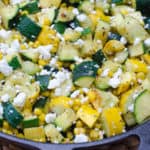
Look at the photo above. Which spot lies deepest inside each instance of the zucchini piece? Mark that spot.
(66, 119)
(35, 134)
(86, 31)
(85, 73)
(121, 57)
(141, 107)
(102, 83)
(99, 57)
(86, 6)
(31, 121)
(129, 118)
(28, 28)
(40, 103)
(1, 121)
(30, 67)
(31, 7)
(14, 61)
(114, 36)
(60, 27)
(8, 13)
(43, 80)
(13, 117)
(136, 50)
(118, 2)
(52, 133)
(67, 52)
(30, 55)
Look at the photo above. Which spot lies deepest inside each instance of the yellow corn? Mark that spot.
(1, 55)
(46, 21)
(91, 96)
(146, 58)
(6, 125)
(42, 117)
(79, 131)
(6, 2)
(37, 111)
(112, 121)
(42, 62)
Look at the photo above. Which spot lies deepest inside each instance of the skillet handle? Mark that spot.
(143, 132)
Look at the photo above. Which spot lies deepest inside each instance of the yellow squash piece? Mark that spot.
(113, 46)
(112, 121)
(35, 134)
(88, 115)
(135, 65)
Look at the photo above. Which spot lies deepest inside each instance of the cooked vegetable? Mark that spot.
(29, 122)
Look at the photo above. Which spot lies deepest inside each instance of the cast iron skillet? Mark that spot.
(142, 131)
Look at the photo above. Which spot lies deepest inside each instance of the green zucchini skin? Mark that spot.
(40, 103)
(15, 63)
(28, 28)
(30, 122)
(13, 117)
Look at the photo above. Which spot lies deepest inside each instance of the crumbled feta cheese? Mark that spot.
(1, 110)
(19, 100)
(53, 61)
(79, 42)
(45, 51)
(79, 29)
(60, 37)
(137, 41)
(75, 94)
(5, 34)
(131, 108)
(135, 95)
(123, 40)
(85, 90)
(105, 72)
(5, 98)
(13, 2)
(59, 129)
(80, 138)
(15, 45)
(147, 42)
(75, 11)
(81, 17)
(45, 72)
(78, 59)
(5, 68)
(116, 80)
(84, 99)
(50, 117)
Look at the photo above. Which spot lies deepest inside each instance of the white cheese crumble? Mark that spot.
(81, 17)
(79, 29)
(137, 41)
(5, 98)
(75, 94)
(79, 42)
(123, 40)
(13, 2)
(116, 80)
(78, 59)
(1, 110)
(75, 11)
(105, 72)
(45, 51)
(19, 100)
(50, 117)
(45, 72)
(15, 45)
(147, 42)
(80, 138)
(5, 68)
(131, 108)
(5, 34)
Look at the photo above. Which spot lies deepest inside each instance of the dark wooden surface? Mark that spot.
(130, 143)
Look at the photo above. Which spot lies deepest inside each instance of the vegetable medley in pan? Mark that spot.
(73, 71)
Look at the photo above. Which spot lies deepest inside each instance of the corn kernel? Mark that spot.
(6, 125)
(60, 64)
(42, 117)
(23, 47)
(1, 55)
(37, 111)
(79, 124)
(42, 62)
(79, 131)
(69, 135)
(91, 96)
(36, 44)
(99, 71)
(72, 66)
(31, 44)
(20, 135)
(24, 12)
(140, 75)
(46, 94)
(94, 134)
(6, 2)
(77, 102)
(46, 21)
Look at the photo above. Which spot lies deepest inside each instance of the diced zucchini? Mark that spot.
(13, 117)
(31, 7)
(40, 103)
(102, 31)
(86, 31)
(35, 134)
(85, 73)
(14, 61)
(147, 23)
(118, 2)
(88, 115)
(30, 55)
(29, 122)
(49, 3)
(86, 6)
(30, 68)
(136, 50)
(114, 36)
(102, 83)
(8, 13)
(141, 107)
(52, 133)
(66, 119)
(99, 57)
(112, 121)
(59, 104)
(1, 121)
(28, 28)
(67, 52)
(60, 27)
(121, 57)
(43, 80)
(129, 118)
